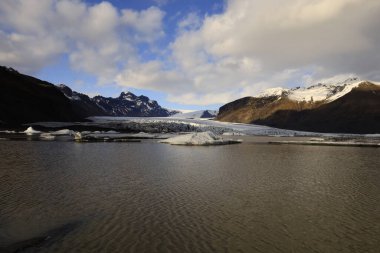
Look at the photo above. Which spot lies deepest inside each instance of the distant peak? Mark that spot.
(9, 69)
(337, 81)
(65, 89)
(63, 86)
(278, 91)
(127, 95)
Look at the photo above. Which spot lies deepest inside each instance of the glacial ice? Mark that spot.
(63, 132)
(47, 136)
(31, 131)
(199, 139)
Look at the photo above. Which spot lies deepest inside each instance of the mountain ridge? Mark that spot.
(202, 114)
(126, 104)
(298, 110)
(26, 99)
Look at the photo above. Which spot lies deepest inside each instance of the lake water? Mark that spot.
(151, 197)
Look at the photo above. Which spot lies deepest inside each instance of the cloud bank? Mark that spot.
(214, 59)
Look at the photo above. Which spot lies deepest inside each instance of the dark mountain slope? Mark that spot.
(130, 105)
(27, 99)
(251, 109)
(83, 104)
(356, 112)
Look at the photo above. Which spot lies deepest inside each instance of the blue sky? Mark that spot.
(190, 54)
(60, 72)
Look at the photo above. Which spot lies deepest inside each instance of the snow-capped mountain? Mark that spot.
(350, 106)
(202, 114)
(325, 91)
(82, 103)
(128, 104)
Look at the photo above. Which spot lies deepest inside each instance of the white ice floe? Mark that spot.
(63, 132)
(233, 134)
(112, 132)
(31, 131)
(199, 139)
(144, 135)
(8, 132)
(47, 136)
(78, 136)
(316, 139)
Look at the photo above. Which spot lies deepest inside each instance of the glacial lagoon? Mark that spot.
(64, 196)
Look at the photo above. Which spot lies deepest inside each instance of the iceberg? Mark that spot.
(8, 131)
(143, 135)
(47, 136)
(233, 134)
(199, 139)
(63, 132)
(78, 136)
(31, 131)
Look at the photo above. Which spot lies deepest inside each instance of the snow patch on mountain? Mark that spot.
(278, 91)
(327, 90)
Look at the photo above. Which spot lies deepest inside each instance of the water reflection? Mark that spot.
(150, 197)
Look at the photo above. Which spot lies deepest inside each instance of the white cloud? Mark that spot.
(151, 76)
(256, 44)
(97, 38)
(287, 34)
(191, 22)
(251, 46)
(147, 24)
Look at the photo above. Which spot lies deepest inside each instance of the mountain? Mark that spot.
(83, 104)
(351, 106)
(27, 99)
(128, 104)
(202, 114)
(356, 112)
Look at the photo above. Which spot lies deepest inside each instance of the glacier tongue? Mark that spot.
(199, 139)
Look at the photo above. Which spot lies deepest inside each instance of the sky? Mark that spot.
(190, 54)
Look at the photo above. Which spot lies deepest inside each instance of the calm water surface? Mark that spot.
(151, 197)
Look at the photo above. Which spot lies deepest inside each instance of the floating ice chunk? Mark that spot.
(199, 139)
(78, 136)
(8, 131)
(233, 134)
(144, 135)
(317, 139)
(63, 132)
(31, 131)
(47, 136)
(112, 132)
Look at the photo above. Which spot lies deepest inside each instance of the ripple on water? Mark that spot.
(149, 197)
